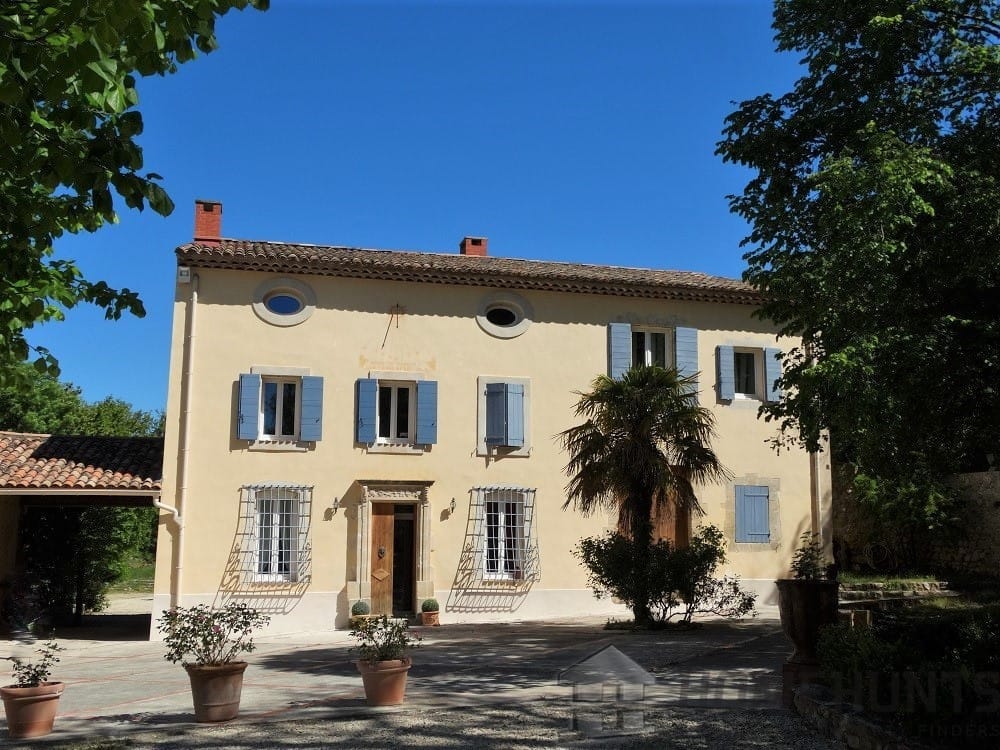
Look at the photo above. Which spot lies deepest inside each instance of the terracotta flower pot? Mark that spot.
(31, 711)
(385, 681)
(430, 618)
(216, 689)
(805, 607)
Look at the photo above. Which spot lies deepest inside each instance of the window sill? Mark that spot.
(499, 451)
(404, 448)
(278, 446)
(771, 546)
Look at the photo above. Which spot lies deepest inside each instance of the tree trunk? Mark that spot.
(642, 530)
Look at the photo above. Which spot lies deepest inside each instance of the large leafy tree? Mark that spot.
(875, 214)
(644, 445)
(68, 130)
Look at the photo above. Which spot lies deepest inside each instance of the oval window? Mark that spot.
(282, 303)
(504, 317)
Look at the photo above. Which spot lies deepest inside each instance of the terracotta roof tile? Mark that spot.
(488, 271)
(80, 462)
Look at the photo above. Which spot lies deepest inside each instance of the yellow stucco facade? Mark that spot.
(407, 331)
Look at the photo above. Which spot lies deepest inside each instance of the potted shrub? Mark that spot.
(806, 602)
(207, 641)
(383, 645)
(429, 612)
(32, 701)
(360, 611)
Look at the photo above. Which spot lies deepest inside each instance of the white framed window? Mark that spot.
(652, 346)
(748, 373)
(503, 518)
(275, 524)
(397, 412)
(280, 408)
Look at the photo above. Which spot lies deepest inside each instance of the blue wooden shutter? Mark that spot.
(496, 413)
(367, 399)
(619, 349)
(753, 524)
(772, 371)
(686, 352)
(725, 367)
(515, 415)
(505, 414)
(311, 416)
(427, 406)
(248, 418)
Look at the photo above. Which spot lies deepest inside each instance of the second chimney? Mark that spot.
(473, 246)
(207, 222)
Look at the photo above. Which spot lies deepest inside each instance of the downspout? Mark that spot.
(184, 447)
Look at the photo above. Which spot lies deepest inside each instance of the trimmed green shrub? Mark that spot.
(679, 581)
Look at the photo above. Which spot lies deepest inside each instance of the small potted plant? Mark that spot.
(360, 611)
(807, 601)
(429, 612)
(207, 641)
(32, 701)
(383, 645)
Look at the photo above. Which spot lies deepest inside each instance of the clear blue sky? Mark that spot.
(562, 131)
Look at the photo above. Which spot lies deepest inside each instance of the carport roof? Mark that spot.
(62, 463)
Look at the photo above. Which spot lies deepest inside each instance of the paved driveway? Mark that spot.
(471, 685)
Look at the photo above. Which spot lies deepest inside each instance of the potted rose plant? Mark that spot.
(207, 642)
(383, 645)
(32, 701)
(430, 612)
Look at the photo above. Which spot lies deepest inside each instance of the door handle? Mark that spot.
(381, 552)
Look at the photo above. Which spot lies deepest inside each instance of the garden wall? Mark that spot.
(977, 548)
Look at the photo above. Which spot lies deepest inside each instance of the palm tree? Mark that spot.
(644, 445)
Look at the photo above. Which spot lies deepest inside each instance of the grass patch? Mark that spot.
(138, 578)
(849, 578)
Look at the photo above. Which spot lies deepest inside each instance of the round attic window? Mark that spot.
(504, 315)
(284, 302)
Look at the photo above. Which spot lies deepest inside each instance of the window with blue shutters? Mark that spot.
(504, 416)
(280, 408)
(748, 373)
(753, 522)
(396, 412)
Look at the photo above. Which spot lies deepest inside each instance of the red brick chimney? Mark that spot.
(473, 246)
(207, 222)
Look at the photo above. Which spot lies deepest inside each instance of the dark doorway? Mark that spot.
(402, 561)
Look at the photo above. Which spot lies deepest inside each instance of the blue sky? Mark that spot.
(562, 131)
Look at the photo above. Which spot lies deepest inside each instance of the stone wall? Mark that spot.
(846, 723)
(976, 549)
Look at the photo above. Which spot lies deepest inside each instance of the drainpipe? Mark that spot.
(184, 447)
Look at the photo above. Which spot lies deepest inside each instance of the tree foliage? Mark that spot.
(68, 130)
(875, 235)
(644, 446)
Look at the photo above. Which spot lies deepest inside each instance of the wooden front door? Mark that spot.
(382, 541)
(392, 558)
